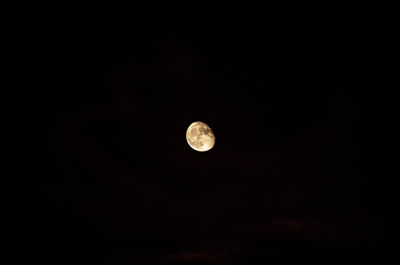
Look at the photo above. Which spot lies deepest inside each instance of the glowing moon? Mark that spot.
(200, 137)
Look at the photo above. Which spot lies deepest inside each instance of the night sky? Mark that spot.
(98, 169)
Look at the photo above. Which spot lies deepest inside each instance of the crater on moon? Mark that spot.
(200, 136)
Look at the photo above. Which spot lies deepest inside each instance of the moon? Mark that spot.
(200, 137)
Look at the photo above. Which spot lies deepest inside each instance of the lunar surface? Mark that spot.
(200, 136)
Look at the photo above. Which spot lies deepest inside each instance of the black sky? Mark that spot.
(99, 171)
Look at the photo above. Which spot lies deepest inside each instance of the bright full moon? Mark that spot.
(200, 137)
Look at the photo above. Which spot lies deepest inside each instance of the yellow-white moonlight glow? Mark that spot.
(200, 136)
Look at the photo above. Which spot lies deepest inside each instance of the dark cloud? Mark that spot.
(107, 176)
